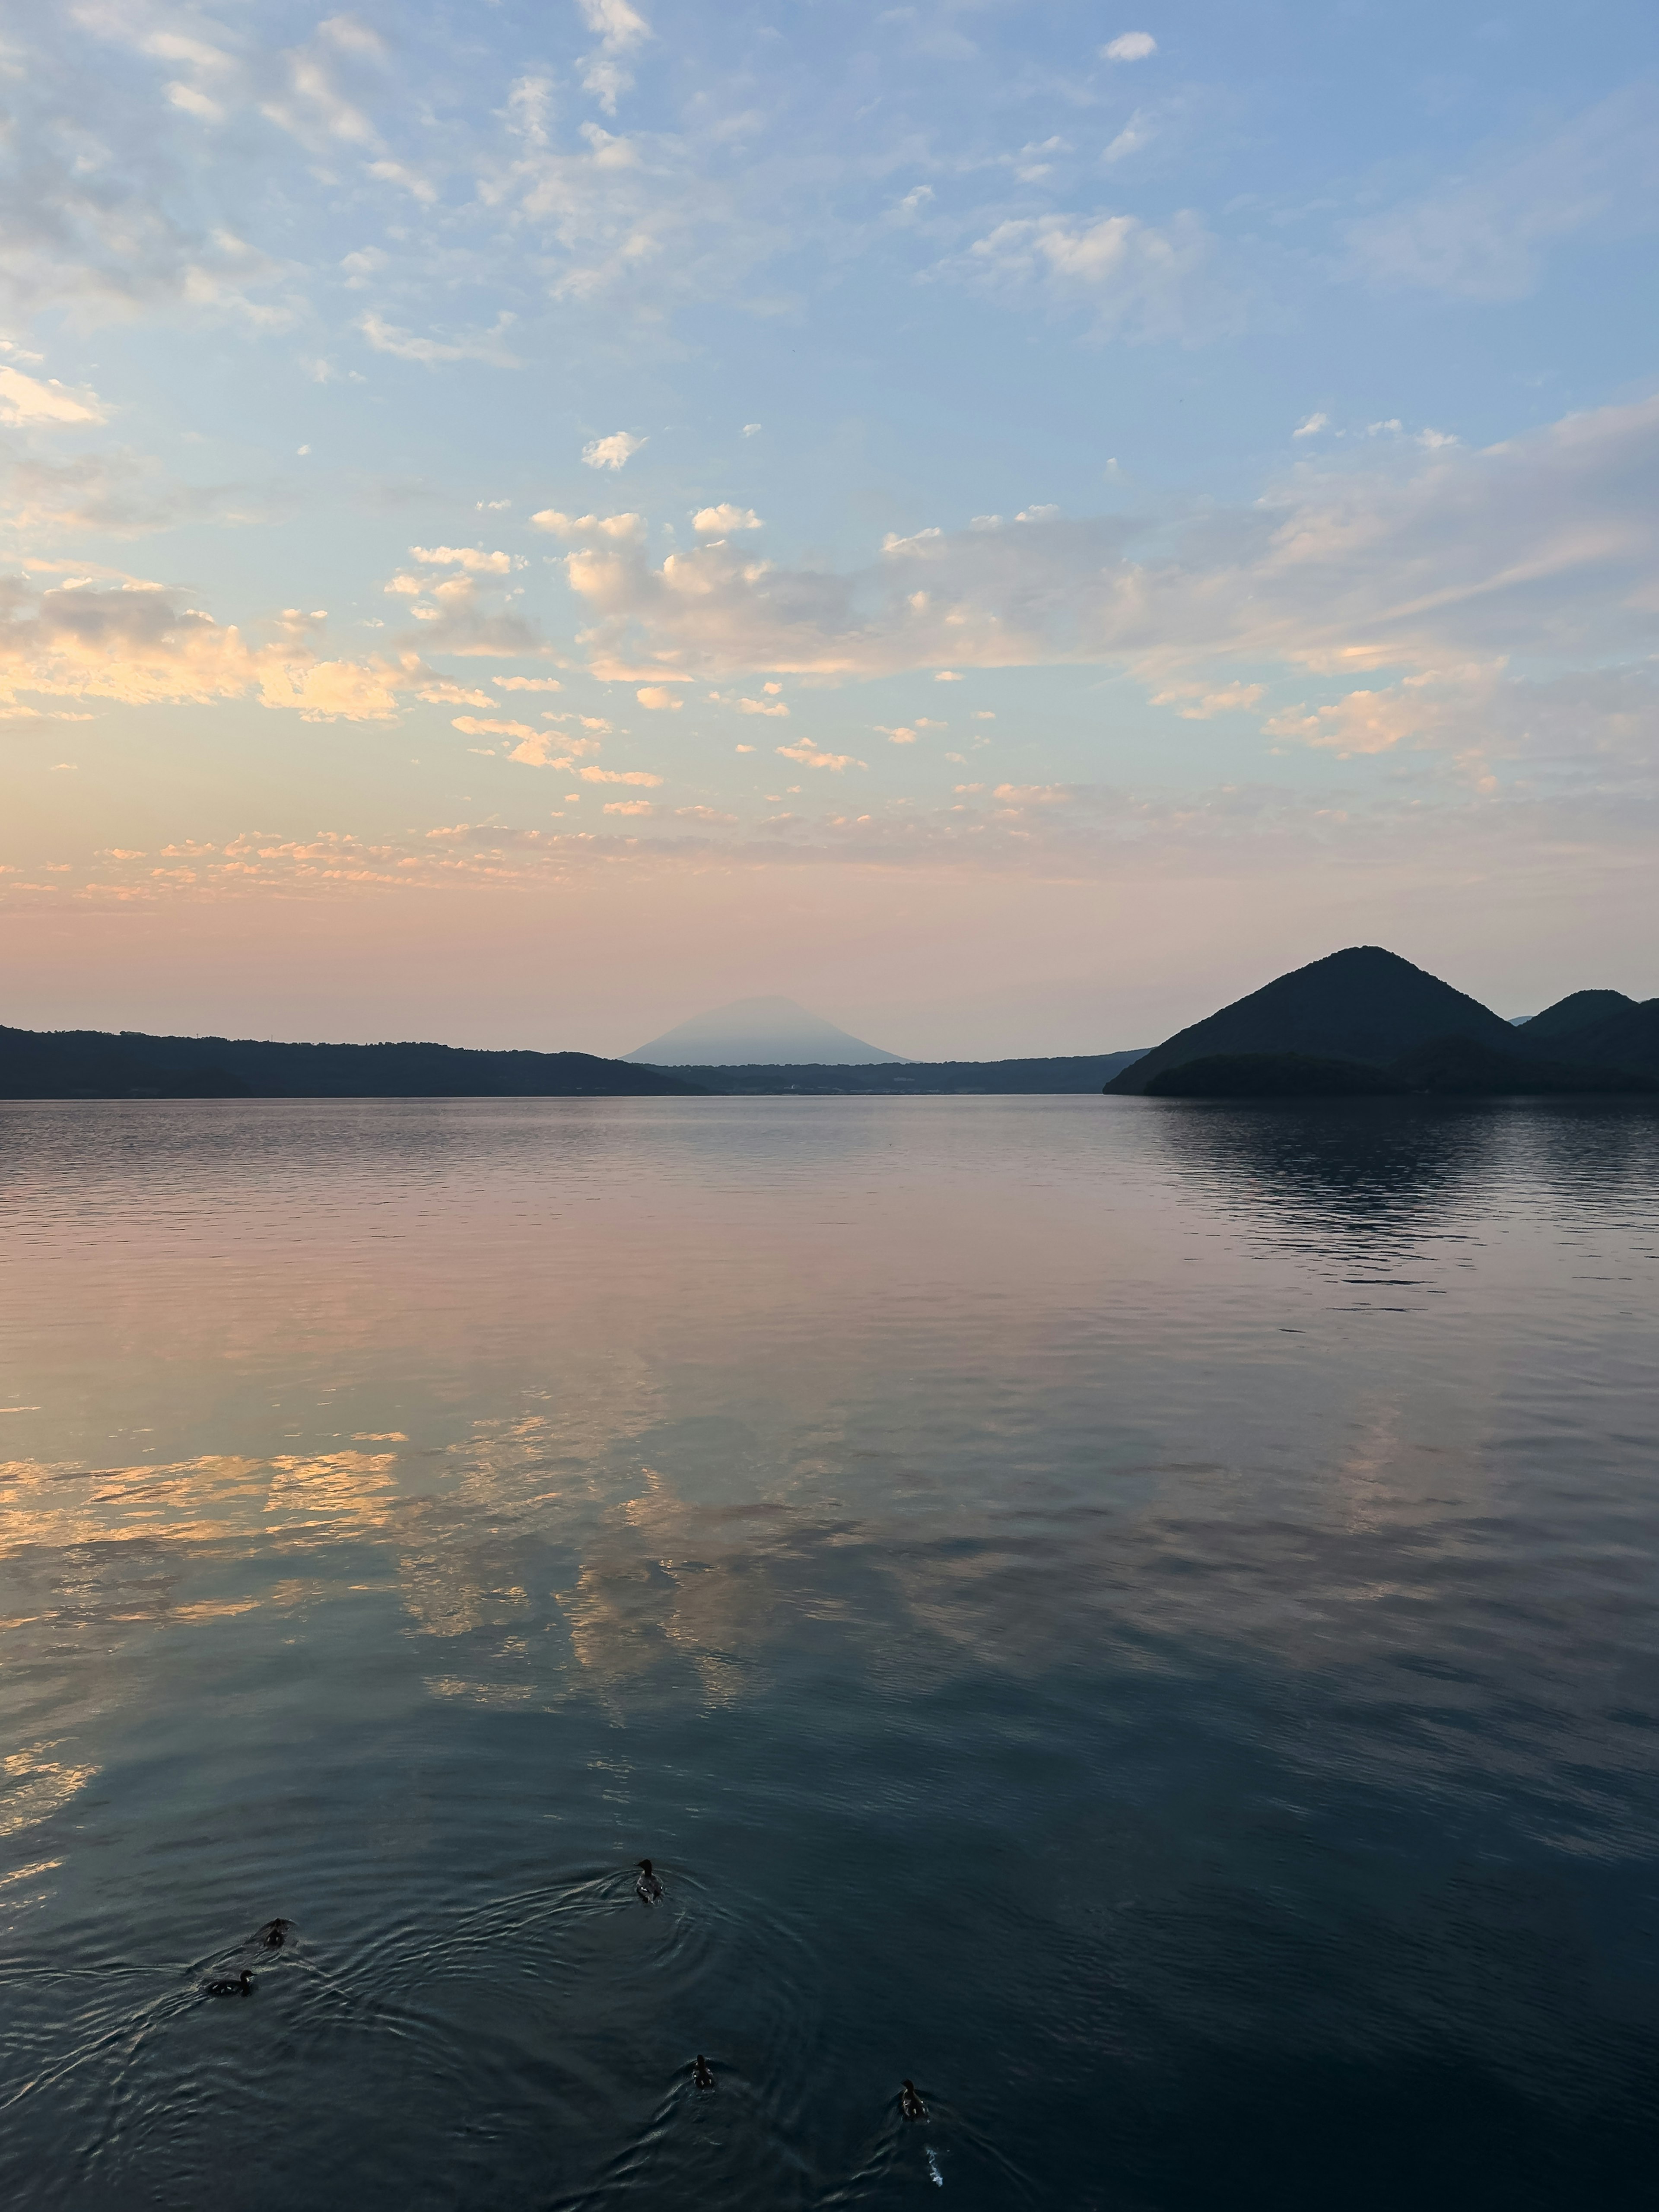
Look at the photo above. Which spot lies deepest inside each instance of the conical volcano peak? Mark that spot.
(1363, 1003)
(768, 1032)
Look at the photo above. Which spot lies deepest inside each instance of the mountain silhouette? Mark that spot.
(95, 1064)
(758, 1032)
(1577, 1011)
(1628, 1039)
(1363, 1004)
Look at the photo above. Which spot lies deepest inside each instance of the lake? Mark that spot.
(1140, 1615)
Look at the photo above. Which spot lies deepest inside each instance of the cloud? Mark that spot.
(527, 683)
(621, 32)
(752, 429)
(1546, 544)
(628, 806)
(1197, 704)
(470, 557)
(703, 814)
(444, 694)
(1487, 236)
(658, 697)
(484, 345)
(1311, 427)
(471, 726)
(134, 643)
(774, 707)
(721, 521)
(541, 749)
(117, 492)
(1137, 281)
(619, 775)
(26, 400)
(614, 452)
(452, 620)
(810, 756)
(1131, 46)
(1137, 132)
(615, 527)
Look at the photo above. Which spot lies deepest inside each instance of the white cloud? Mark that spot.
(444, 694)
(471, 726)
(485, 345)
(527, 683)
(133, 643)
(809, 755)
(27, 401)
(752, 429)
(658, 696)
(614, 452)
(722, 522)
(589, 525)
(476, 562)
(1137, 132)
(1131, 46)
(622, 31)
(1137, 280)
(1544, 544)
(1486, 236)
(946, 676)
(541, 749)
(1311, 427)
(1197, 703)
(620, 775)
(629, 806)
(774, 707)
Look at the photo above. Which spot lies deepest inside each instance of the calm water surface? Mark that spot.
(1141, 1615)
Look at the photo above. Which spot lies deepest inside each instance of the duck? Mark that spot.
(274, 1934)
(702, 2074)
(910, 2104)
(241, 1987)
(647, 1886)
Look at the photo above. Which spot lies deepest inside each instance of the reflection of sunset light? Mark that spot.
(36, 1788)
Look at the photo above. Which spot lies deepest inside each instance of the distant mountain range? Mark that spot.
(98, 1064)
(1360, 1021)
(1365, 1020)
(760, 1033)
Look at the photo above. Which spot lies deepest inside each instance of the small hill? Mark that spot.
(1457, 1068)
(1627, 1039)
(1576, 1012)
(1448, 1068)
(1275, 1075)
(759, 1032)
(1363, 1004)
(98, 1064)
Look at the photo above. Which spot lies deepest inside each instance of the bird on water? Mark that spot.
(274, 1934)
(647, 1886)
(702, 2073)
(241, 1987)
(910, 2104)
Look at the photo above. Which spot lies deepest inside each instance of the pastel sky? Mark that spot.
(1009, 523)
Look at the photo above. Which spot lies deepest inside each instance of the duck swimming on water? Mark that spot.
(702, 2074)
(647, 1886)
(241, 1987)
(274, 1934)
(910, 2104)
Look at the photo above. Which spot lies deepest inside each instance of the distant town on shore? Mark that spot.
(1362, 1022)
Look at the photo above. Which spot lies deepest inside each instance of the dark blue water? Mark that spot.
(1143, 1616)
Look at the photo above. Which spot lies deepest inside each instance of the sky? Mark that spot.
(1010, 524)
